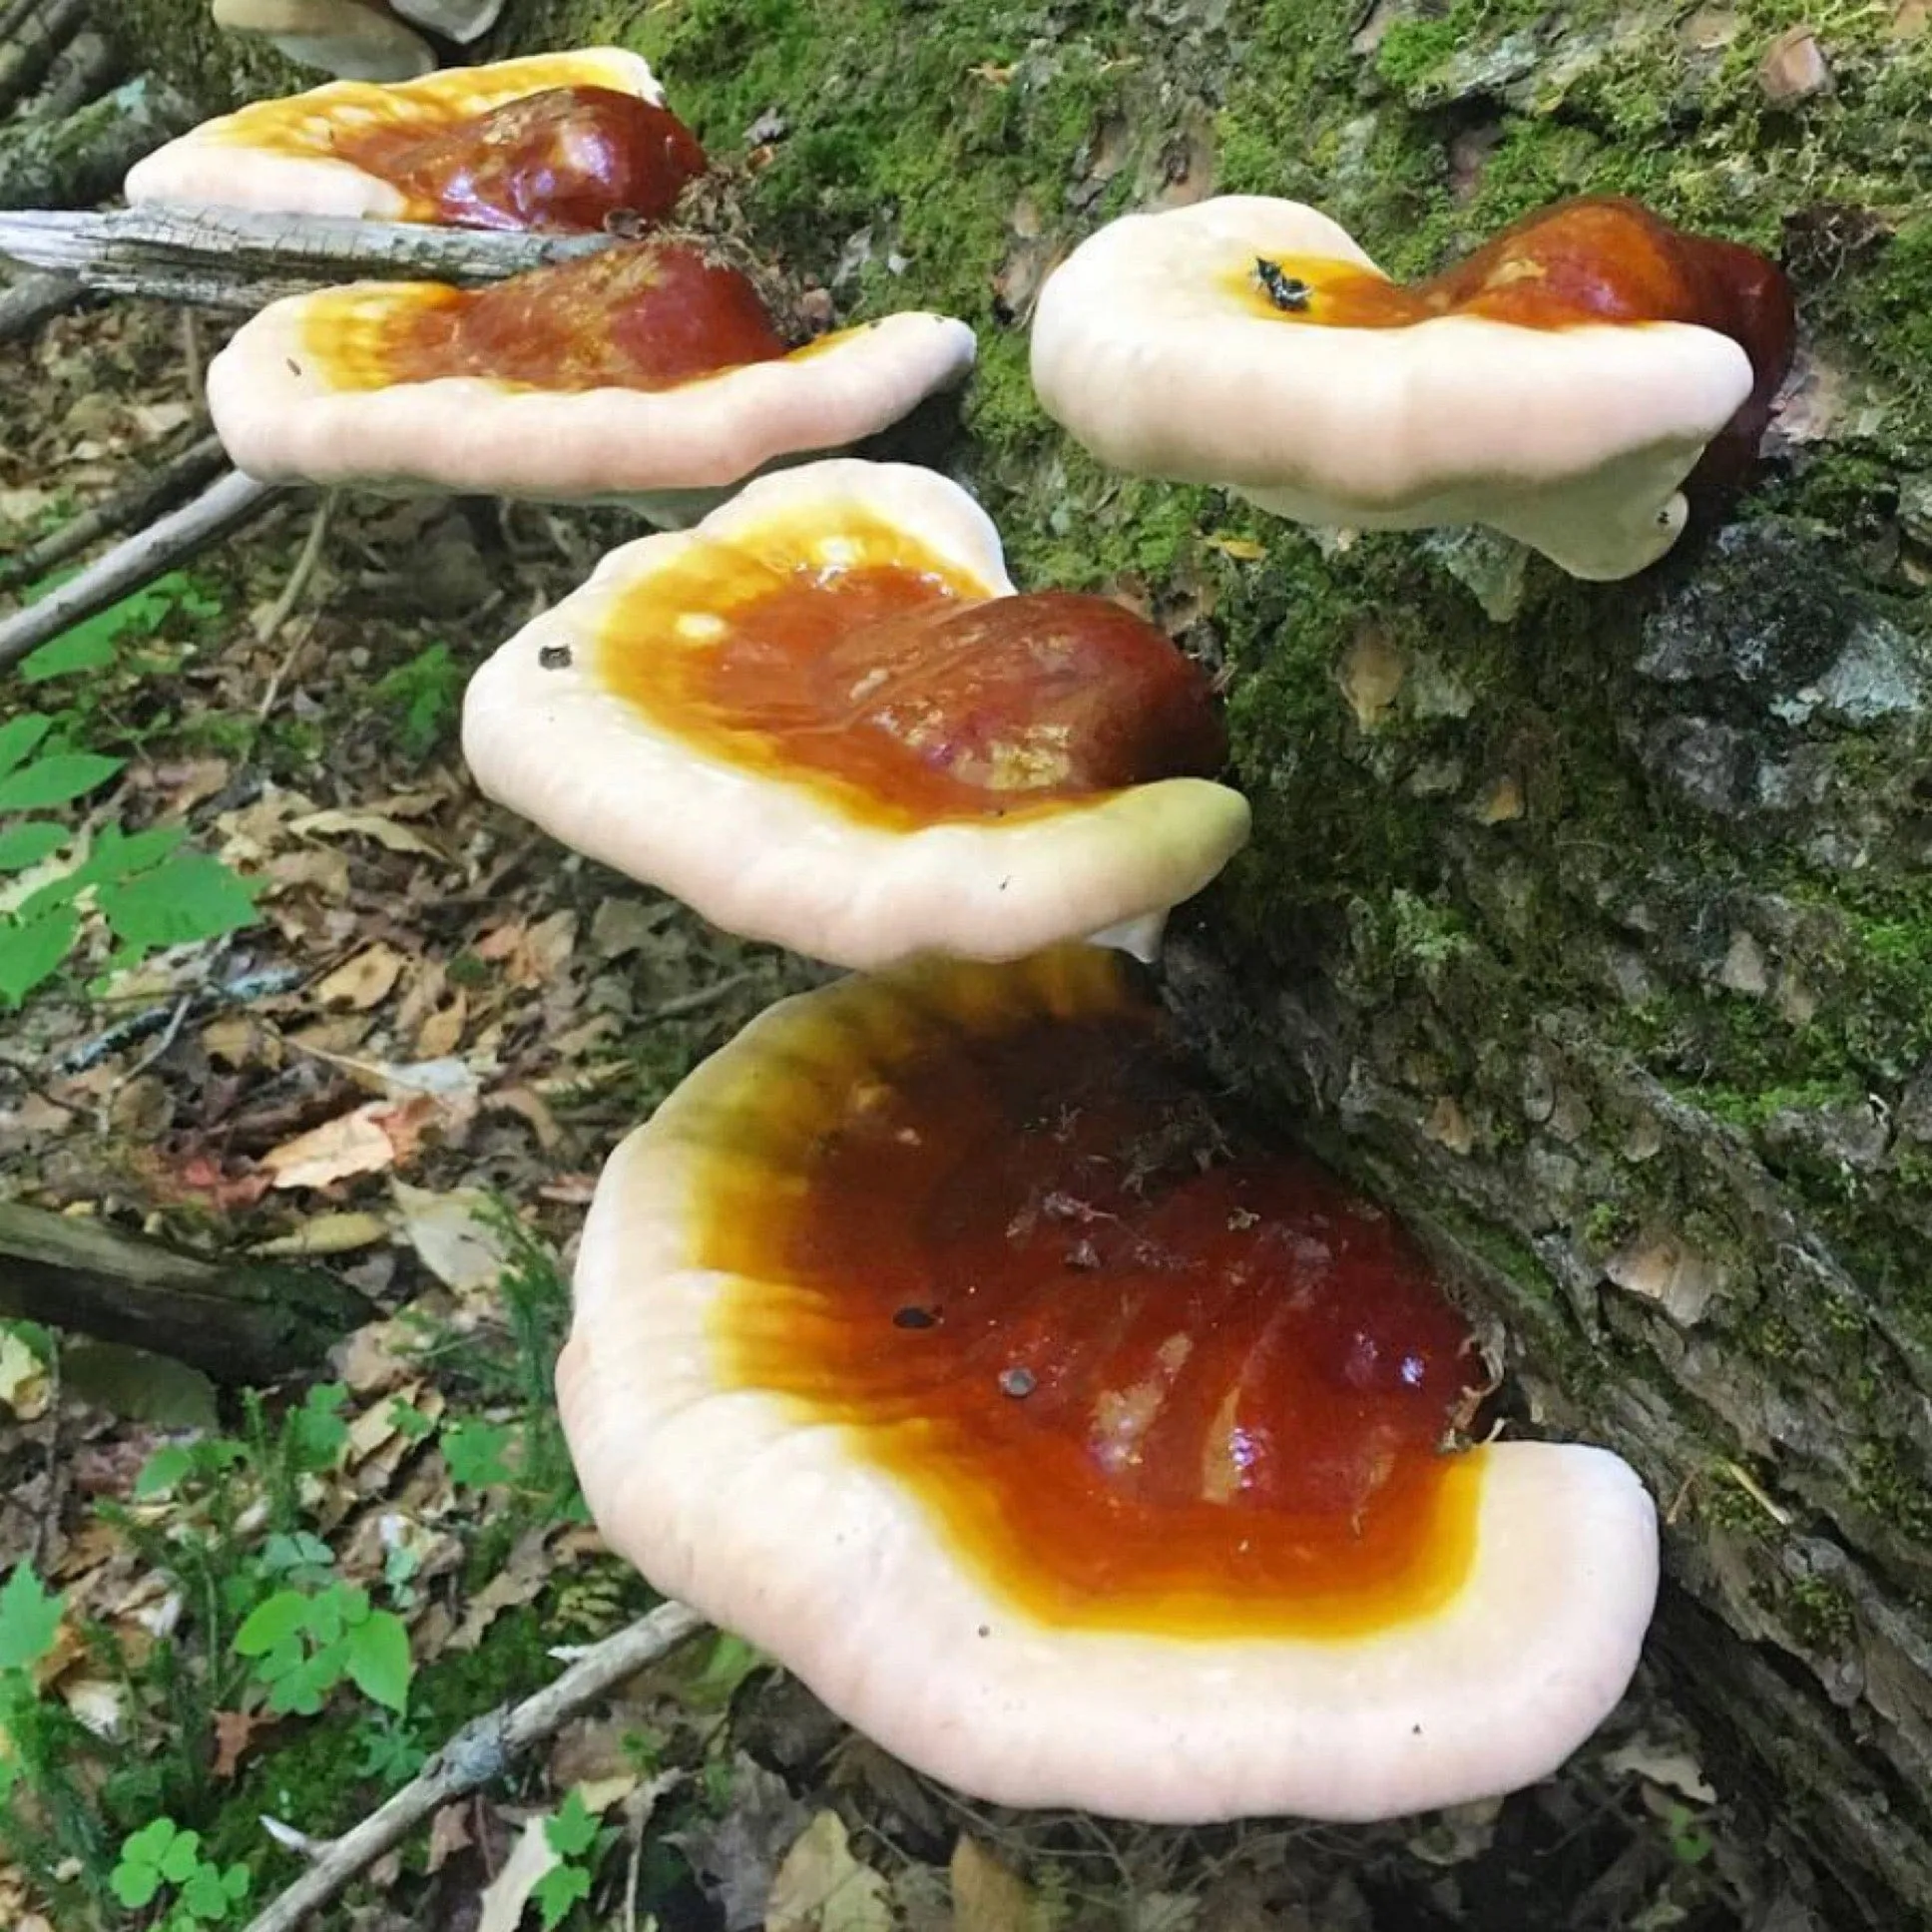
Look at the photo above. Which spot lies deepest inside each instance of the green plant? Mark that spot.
(95, 641)
(161, 1857)
(573, 1833)
(302, 1644)
(422, 697)
(149, 891)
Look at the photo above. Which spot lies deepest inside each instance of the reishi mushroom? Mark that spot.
(352, 38)
(553, 141)
(937, 1338)
(642, 373)
(1559, 385)
(825, 718)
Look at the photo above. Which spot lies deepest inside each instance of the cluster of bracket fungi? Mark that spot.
(937, 1333)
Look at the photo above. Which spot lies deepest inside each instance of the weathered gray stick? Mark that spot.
(215, 514)
(84, 72)
(32, 299)
(138, 503)
(241, 258)
(478, 1753)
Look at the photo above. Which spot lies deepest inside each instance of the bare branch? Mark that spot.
(478, 1753)
(33, 299)
(152, 492)
(220, 510)
(243, 258)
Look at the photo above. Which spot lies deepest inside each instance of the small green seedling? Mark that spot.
(161, 1857)
(574, 1834)
(303, 1644)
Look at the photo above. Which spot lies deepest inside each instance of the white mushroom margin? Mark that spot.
(773, 860)
(236, 159)
(284, 418)
(781, 1532)
(1572, 440)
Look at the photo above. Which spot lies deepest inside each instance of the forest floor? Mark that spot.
(235, 1620)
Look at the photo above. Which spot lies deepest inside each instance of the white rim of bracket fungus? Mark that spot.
(235, 161)
(777, 860)
(282, 418)
(777, 1529)
(1573, 440)
(347, 37)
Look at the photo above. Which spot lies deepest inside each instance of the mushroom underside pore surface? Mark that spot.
(939, 1336)
(342, 37)
(825, 718)
(1559, 385)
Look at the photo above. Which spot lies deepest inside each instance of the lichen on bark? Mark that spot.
(1591, 924)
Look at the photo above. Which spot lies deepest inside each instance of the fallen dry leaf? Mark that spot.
(821, 1887)
(338, 1233)
(389, 833)
(23, 1379)
(508, 1891)
(364, 981)
(450, 1833)
(986, 1896)
(234, 1731)
(455, 1236)
(349, 1145)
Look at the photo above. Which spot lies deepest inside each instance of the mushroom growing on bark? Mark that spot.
(349, 38)
(555, 141)
(1559, 385)
(825, 718)
(936, 1338)
(648, 373)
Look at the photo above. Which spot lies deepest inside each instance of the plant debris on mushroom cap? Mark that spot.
(1559, 385)
(640, 372)
(936, 1336)
(395, 154)
(345, 37)
(823, 717)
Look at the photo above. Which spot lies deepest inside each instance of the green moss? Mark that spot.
(1821, 1614)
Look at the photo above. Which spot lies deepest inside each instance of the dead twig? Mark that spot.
(478, 1753)
(36, 299)
(145, 498)
(217, 512)
(26, 60)
(244, 258)
(279, 613)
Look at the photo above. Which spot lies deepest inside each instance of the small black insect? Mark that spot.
(912, 1317)
(554, 657)
(1287, 292)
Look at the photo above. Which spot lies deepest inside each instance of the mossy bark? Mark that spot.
(1591, 926)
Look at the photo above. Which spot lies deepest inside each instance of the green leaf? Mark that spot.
(475, 1452)
(163, 1470)
(573, 1830)
(272, 1621)
(182, 1856)
(303, 1689)
(301, 1551)
(203, 1896)
(135, 1886)
(561, 1887)
(27, 844)
(82, 648)
(19, 735)
(118, 855)
(148, 1845)
(316, 1431)
(30, 1615)
(54, 780)
(408, 1421)
(379, 1658)
(186, 897)
(31, 951)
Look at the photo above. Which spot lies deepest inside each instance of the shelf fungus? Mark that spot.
(825, 718)
(1559, 385)
(356, 39)
(937, 1337)
(649, 373)
(563, 142)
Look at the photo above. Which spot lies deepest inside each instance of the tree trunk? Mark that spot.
(1589, 924)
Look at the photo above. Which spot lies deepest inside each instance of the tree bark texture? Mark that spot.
(1589, 925)
(238, 1321)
